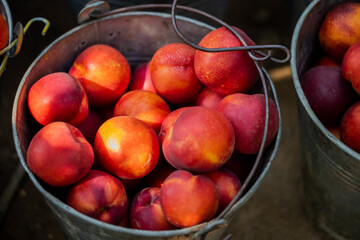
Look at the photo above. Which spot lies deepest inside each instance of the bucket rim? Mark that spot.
(130, 231)
(300, 92)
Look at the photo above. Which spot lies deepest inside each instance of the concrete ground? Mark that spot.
(274, 212)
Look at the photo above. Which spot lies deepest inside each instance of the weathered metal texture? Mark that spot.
(137, 35)
(330, 169)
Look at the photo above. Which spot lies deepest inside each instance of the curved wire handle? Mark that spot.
(219, 221)
(255, 54)
(245, 47)
(14, 47)
(21, 32)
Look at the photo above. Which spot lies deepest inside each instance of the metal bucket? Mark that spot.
(137, 35)
(330, 169)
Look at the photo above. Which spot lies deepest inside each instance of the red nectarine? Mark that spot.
(350, 66)
(143, 105)
(58, 97)
(350, 127)
(173, 75)
(199, 139)
(4, 32)
(146, 212)
(90, 125)
(225, 72)
(141, 78)
(126, 147)
(99, 195)
(187, 199)
(247, 116)
(227, 184)
(328, 93)
(59, 154)
(104, 73)
(208, 98)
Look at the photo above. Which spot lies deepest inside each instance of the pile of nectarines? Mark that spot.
(332, 84)
(165, 147)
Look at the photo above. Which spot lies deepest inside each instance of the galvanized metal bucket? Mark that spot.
(330, 169)
(137, 35)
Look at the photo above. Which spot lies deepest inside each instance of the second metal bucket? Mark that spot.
(137, 35)
(330, 169)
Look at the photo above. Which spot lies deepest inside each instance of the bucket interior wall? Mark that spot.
(137, 35)
(330, 170)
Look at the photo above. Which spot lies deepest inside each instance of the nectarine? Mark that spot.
(146, 212)
(350, 127)
(104, 73)
(173, 75)
(58, 97)
(225, 72)
(126, 147)
(199, 139)
(350, 66)
(247, 115)
(99, 195)
(340, 29)
(90, 125)
(4, 32)
(144, 105)
(227, 184)
(141, 78)
(59, 154)
(328, 93)
(188, 199)
(208, 98)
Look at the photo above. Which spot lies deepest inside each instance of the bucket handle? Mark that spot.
(14, 47)
(97, 9)
(220, 221)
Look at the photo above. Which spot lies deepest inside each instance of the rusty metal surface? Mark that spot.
(137, 35)
(331, 170)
